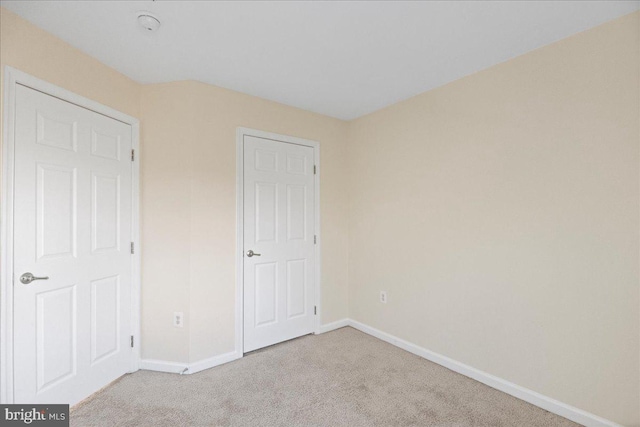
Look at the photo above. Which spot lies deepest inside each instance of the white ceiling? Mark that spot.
(342, 59)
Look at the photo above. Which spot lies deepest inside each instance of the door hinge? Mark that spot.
(315, 169)
(131, 341)
(315, 310)
(133, 155)
(315, 239)
(133, 249)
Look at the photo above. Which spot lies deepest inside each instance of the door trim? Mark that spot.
(13, 78)
(239, 317)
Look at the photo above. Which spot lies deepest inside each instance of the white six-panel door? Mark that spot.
(279, 222)
(72, 202)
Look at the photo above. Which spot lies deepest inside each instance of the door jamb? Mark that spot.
(239, 309)
(12, 78)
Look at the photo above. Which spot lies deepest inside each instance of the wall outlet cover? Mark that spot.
(383, 297)
(178, 319)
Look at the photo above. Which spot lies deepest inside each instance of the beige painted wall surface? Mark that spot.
(165, 170)
(32, 50)
(501, 214)
(189, 171)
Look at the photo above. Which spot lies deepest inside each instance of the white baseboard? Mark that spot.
(188, 368)
(213, 362)
(572, 413)
(163, 366)
(333, 326)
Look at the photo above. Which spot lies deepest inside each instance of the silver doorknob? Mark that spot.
(27, 278)
(250, 253)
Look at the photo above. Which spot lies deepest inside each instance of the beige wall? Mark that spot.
(189, 176)
(165, 173)
(34, 51)
(501, 214)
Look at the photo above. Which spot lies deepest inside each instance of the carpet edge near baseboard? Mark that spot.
(545, 402)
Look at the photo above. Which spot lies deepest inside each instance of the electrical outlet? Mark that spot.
(383, 297)
(178, 319)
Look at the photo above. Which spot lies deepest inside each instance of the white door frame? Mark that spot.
(240, 134)
(12, 78)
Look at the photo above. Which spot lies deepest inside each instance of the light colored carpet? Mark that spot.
(341, 378)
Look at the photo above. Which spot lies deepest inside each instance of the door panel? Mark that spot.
(296, 214)
(266, 282)
(266, 208)
(296, 288)
(72, 224)
(56, 335)
(57, 129)
(105, 209)
(279, 197)
(105, 315)
(56, 211)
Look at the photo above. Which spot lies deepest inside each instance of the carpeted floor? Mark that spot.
(341, 378)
